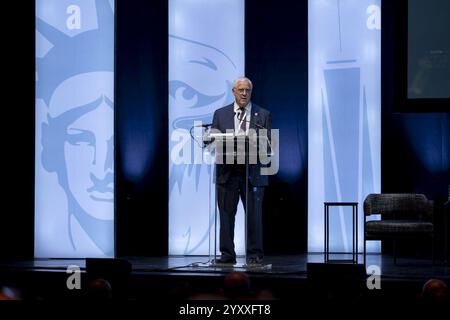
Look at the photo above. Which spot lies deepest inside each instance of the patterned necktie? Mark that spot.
(242, 121)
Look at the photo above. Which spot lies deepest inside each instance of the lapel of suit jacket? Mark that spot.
(254, 118)
(230, 117)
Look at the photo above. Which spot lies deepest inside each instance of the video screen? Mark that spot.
(428, 49)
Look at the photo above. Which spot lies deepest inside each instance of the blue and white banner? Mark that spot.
(206, 53)
(74, 167)
(344, 115)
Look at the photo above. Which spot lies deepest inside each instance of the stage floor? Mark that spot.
(285, 265)
(178, 277)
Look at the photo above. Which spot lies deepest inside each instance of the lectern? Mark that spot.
(230, 149)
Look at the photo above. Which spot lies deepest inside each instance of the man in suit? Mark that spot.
(242, 116)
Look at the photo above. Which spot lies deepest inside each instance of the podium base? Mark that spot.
(257, 266)
(239, 265)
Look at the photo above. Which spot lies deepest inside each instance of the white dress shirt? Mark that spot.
(237, 123)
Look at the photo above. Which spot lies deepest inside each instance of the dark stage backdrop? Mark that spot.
(17, 156)
(276, 59)
(141, 121)
(415, 147)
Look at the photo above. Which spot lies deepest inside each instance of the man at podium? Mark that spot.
(242, 116)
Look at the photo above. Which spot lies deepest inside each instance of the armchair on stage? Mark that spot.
(404, 216)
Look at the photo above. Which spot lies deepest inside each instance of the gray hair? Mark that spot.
(235, 82)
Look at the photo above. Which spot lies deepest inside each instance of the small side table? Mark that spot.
(326, 212)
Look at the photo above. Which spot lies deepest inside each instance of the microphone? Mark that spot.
(238, 115)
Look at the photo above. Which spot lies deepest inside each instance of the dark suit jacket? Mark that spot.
(224, 119)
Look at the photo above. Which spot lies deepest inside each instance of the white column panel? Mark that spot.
(344, 115)
(206, 53)
(74, 165)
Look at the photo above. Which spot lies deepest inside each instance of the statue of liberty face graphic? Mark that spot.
(75, 80)
(200, 81)
(78, 144)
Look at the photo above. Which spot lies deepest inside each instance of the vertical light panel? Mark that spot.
(74, 167)
(344, 115)
(206, 53)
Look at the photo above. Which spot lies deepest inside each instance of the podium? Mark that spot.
(229, 151)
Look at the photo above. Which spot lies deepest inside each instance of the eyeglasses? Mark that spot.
(244, 90)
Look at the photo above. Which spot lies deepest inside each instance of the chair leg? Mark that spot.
(365, 251)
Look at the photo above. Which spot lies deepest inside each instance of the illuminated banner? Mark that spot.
(74, 170)
(206, 53)
(343, 115)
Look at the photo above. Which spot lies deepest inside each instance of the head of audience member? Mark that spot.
(99, 289)
(236, 285)
(435, 290)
